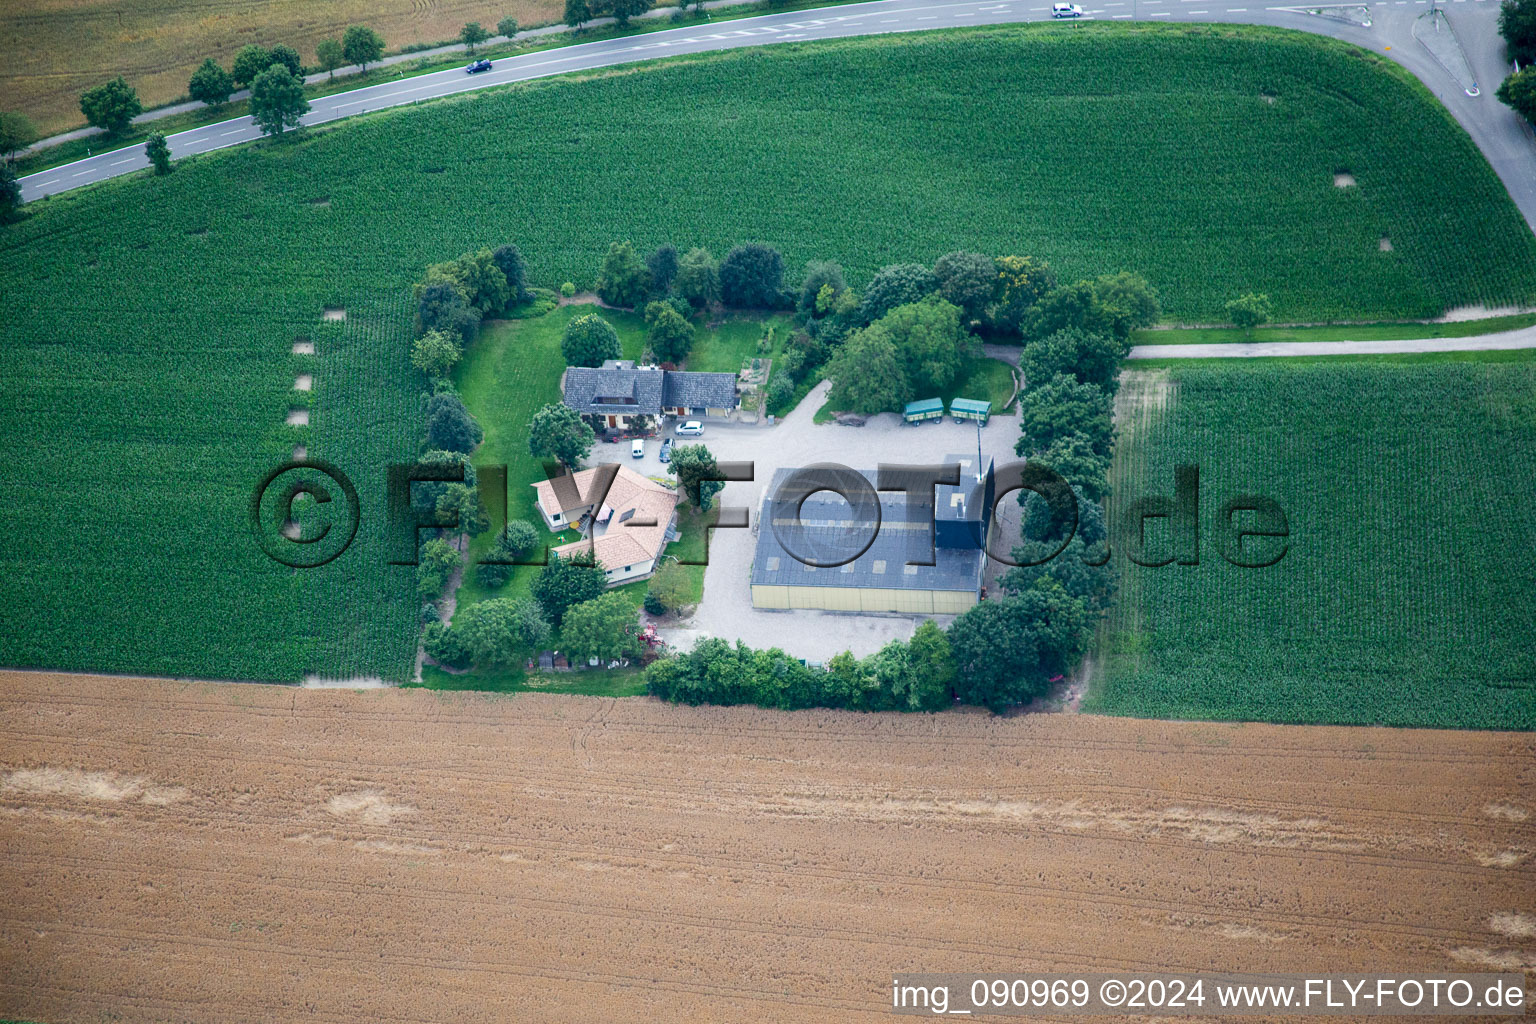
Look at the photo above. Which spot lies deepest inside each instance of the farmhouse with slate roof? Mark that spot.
(618, 393)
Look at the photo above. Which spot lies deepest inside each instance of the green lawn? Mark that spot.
(1358, 332)
(1406, 594)
(507, 375)
(145, 346)
(725, 346)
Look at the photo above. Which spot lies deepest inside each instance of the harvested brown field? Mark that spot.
(56, 49)
(197, 852)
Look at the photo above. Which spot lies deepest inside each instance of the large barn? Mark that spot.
(880, 579)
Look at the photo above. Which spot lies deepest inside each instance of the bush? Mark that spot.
(670, 589)
(436, 353)
(438, 561)
(1518, 91)
(445, 645)
(507, 27)
(513, 545)
(568, 289)
(698, 278)
(1248, 311)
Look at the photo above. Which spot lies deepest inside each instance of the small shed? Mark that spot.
(924, 409)
(971, 409)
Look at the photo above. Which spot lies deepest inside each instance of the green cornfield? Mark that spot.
(1407, 591)
(145, 343)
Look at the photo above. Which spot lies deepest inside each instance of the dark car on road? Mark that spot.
(477, 66)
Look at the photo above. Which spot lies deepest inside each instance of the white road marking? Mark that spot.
(88, 170)
(237, 131)
(1122, 15)
(120, 163)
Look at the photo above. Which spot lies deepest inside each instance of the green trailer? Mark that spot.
(971, 409)
(924, 409)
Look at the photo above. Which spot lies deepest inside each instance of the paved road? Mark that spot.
(1522, 338)
(1495, 129)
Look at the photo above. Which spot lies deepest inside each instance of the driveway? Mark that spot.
(795, 441)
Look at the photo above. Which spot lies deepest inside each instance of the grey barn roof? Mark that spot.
(699, 390)
(619, 387)
(586, 388)
(830, 528)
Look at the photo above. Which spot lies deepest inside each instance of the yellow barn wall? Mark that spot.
(853, 599)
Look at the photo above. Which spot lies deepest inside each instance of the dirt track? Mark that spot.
(190, 852)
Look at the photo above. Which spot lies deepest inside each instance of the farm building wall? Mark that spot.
(855, 599)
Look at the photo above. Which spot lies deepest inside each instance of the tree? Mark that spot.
(159, 153)
(751, 277)
(1126, 301)
(1093, 585)
(1517, 24)
(438, 561)
(698, 278)
(250, 61)
(461, 503)
(930, 343)
(277, 100)
(442, 307)
(426, 493)
(1078, 461)
(10, 192)
(558, 432)
(111, 106)
(968, 280)
(436, 353)
(513, 545)
(670, 336)
(329, 55)
(507, 27)
(497, 631)
(289, 58)
(662, 265)
(670, 589)
(867, 374)
(589, 341)
(485, 286)
(1248, 311)
(605, 627)
(210, 84)
(1021, 282)
(450, 427)
(1114, 304)
(822, 284)
(1091, 358)
(17, 132)
(444, 645)
(623, 10)
(565, 582)
(577, 12)
(1519, 90)
(472, 35)
(510, 261)
(623, 279)
(361, 45)
(1064, 405)
(894, 286)
(1006, 651)
(693, 463)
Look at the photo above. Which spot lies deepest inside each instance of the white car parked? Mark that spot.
(693, 428)
(1066, 11)
(637, 449)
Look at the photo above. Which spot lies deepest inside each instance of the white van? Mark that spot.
(1066, 11)
(637, 449)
